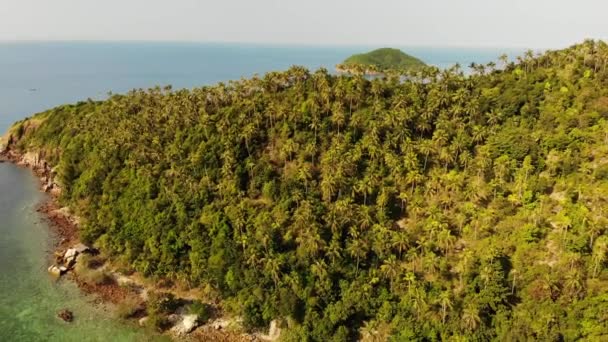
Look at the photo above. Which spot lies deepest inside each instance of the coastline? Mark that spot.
(122, 287)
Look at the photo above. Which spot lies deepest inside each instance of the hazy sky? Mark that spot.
(520, 23)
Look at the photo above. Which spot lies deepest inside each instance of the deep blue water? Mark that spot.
(37, 76)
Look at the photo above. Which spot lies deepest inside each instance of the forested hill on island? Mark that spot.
(380, 60)
(434, 206)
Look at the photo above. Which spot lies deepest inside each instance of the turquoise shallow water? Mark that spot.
(29, 297)
(37, 76)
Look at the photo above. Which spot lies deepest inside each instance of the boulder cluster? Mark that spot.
(67, 260)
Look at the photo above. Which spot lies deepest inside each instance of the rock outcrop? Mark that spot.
(57, 271)
(34, 160)
(66, 214)
(274, 332)
(66, 315)
(186, 325)
(71, 254)
(82, 248)
(143, 321)
(68, 259)
(4, 144)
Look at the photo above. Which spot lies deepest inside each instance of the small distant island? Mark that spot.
(378, 61)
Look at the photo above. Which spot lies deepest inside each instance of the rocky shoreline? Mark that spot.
(118, 287)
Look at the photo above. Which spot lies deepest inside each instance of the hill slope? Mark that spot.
(435, 208)
(382, 59)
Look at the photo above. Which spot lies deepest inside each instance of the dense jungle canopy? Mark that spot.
(426, 206)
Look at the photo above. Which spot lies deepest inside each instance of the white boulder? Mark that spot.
(275, 331)
(71, 255)
(143, 321)
(69, 258)
(56, 271)
(82, 248)
(186, 325)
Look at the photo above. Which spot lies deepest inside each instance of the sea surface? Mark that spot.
(29, 297)
(37, 76)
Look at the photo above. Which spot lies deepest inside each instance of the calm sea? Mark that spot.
(37, 76)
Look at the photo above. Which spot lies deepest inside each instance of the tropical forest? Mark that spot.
(460, 204)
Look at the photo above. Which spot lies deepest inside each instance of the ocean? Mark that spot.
(38, 76)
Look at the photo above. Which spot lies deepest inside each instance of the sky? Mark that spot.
(483, 23)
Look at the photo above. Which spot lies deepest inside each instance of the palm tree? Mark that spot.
(410, 278)
(304, 175)
(562, 222)
(400, 241)
(310, 243)
(272, 266)
(315, 124)
(446, 240)
(445, 301)
(288, 148)
(426, 147)
(594, 230)
(600, 250)
(529, 60)
(357, 248)
(338, 117)
(365, 219)
(328, 187)
(446, 156)
(403, 196)
(479, 134)
(574, 283)
(470, 317)
(492, 66)
(334, 251)
(390, 268)
(413, 177)
(364, 186)
(419, 303)
(514, 274)
(504, 59)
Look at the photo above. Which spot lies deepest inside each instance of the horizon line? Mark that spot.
(296, 44)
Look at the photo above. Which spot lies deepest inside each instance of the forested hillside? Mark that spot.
(437, 206)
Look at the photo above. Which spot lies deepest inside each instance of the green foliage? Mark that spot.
(162, 303)
(19, 131)
(202, 310)
(385, 59)
(158, 321)
(129, 307)
(158, 307)
(429, 205)
(99, 277)
(86, 268)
